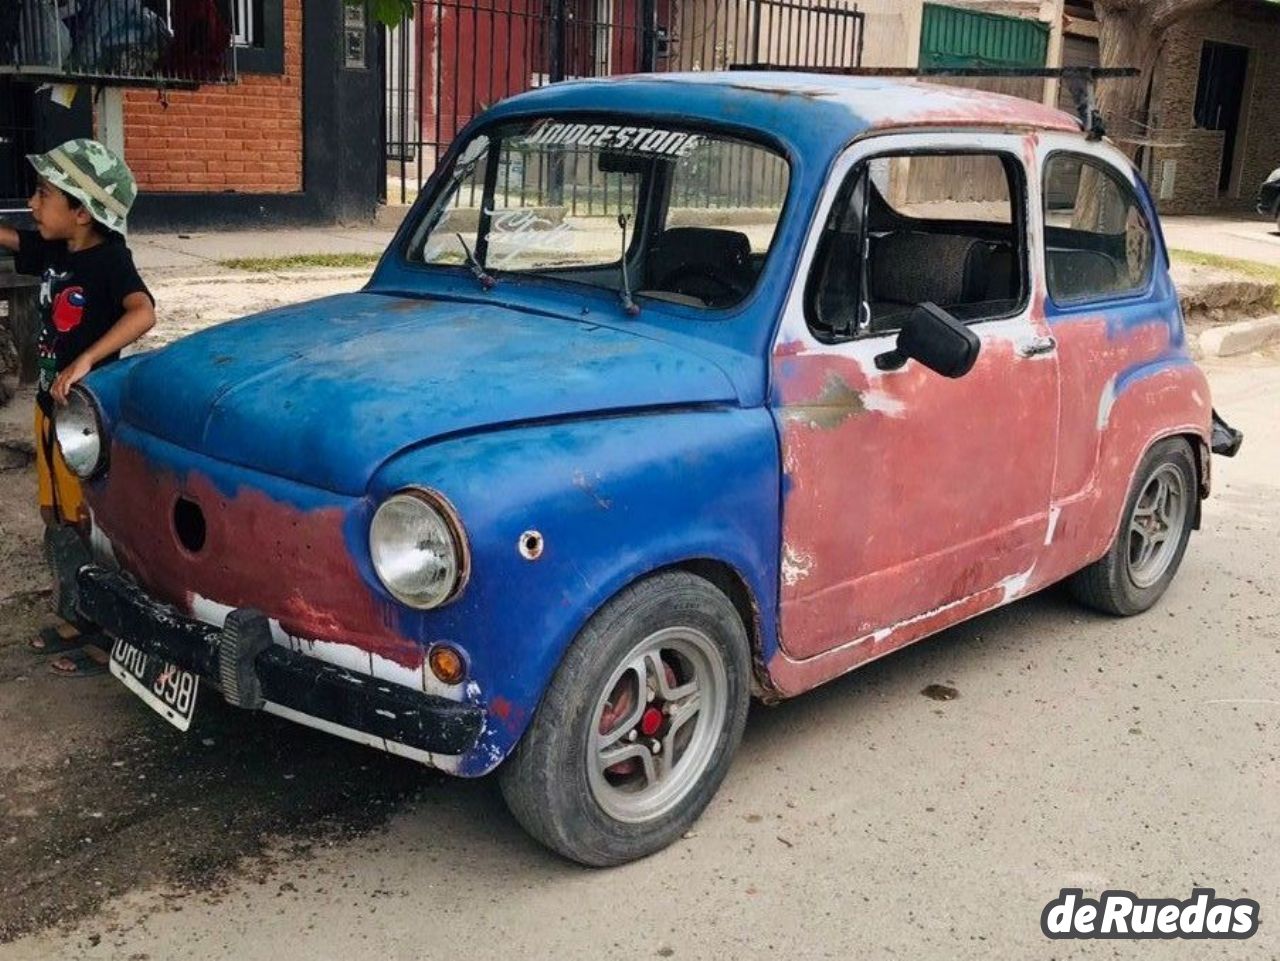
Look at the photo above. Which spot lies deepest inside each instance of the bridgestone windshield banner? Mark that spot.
(650, 141)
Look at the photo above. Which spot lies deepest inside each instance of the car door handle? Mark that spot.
(1036, 346)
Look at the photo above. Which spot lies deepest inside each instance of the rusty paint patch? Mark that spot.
(511, 715)
(293, 565)
(796, 565)
(836, 403)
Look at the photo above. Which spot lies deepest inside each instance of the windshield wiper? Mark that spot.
(486, 280)
(628, 305)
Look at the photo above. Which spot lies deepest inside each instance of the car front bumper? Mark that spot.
(241, 660)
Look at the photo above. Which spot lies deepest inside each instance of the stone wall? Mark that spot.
(1198, 152)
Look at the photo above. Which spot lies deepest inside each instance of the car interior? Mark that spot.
(973, 269)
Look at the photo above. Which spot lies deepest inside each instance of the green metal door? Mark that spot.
(953, 37)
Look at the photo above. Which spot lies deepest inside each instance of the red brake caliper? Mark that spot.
(619, 706)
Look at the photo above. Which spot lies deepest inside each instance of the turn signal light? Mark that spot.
(447, 664)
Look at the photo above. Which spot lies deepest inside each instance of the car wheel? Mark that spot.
(1152, 538)
(637, 728)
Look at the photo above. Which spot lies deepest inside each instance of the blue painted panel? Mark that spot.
(615, 499)
(326, 392)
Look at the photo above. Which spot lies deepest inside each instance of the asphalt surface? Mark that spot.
(864, 820)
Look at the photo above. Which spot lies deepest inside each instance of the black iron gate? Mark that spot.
(454, 58)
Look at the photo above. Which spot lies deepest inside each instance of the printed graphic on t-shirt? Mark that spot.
(61, 310)
(68, 309)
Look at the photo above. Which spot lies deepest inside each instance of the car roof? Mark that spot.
(808, 110)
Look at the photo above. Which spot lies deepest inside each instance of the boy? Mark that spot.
(92, 304)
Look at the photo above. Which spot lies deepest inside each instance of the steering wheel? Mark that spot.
(702, 281)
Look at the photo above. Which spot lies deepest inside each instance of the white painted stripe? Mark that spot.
(350, 733)
(1054, 513)
(448, 763)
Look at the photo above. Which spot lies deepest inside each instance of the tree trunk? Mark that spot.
(1126, 39)
(1130, 34)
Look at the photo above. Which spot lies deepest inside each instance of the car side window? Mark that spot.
(1098, 242)
(906, 229)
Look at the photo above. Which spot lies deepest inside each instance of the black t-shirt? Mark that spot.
(81, 296)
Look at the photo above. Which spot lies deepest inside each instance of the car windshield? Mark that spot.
(652, 211)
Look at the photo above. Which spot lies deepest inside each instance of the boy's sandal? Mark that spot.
(51, 642)
(83, 666)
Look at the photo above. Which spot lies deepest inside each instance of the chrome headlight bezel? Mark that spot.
(81, 432)
(1273, 176)
(389, 531)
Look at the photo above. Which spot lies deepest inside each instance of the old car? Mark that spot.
(671, 391)
(1269, 196)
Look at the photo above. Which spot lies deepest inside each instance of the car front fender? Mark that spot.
(610, 500)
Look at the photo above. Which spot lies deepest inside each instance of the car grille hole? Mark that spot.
(188, 522)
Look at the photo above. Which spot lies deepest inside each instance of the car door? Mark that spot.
(909, 496)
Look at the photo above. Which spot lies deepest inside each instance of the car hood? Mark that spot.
(325, 392)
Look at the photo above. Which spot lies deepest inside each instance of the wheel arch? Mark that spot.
(1160, 399)
(734, 585)
(1192, 440)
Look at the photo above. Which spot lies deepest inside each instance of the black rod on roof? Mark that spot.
(1063, 73)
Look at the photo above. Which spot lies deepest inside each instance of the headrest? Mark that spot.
(912, 267)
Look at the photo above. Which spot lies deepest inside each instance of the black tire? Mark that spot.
(1112, 584)
(548, 780)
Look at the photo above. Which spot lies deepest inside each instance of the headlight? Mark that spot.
(418, 548)
(78, 427)
(1275, 175)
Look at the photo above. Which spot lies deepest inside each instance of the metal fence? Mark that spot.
(173, 43)
(454, 58)
(17, 139)
(721, 175)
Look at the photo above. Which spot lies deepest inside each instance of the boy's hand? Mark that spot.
(76, 372)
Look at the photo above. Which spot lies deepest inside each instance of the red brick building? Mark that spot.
(286, 129)
(245, 137)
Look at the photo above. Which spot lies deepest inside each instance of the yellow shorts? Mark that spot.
(61, 499)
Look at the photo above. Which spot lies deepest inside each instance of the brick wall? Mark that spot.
(1199, 152)
(246, 137)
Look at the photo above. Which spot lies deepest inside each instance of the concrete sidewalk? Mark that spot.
(1245, 236)
(200, 252)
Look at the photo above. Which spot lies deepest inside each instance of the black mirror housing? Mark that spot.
(936, 339)
(614, 162)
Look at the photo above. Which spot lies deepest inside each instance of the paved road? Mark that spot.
(863, 820)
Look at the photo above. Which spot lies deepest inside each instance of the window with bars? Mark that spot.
(246, 16)
(258, 34)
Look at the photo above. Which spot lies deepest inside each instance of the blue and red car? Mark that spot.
(671, 392)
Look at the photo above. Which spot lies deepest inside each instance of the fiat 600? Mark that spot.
(671, 391)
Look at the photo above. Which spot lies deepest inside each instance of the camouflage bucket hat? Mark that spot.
(95, 176)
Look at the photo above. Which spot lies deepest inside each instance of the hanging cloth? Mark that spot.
(119, 38)
(43, 39)
(201, 42)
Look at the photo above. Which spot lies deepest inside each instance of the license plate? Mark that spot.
(169, 690)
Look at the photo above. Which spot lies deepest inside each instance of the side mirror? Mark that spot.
(936, 339)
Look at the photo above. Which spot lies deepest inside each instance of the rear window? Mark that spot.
(1098, 243)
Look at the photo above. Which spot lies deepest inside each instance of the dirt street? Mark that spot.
(863, 820)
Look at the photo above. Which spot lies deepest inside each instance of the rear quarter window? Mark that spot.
(1098, 241)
